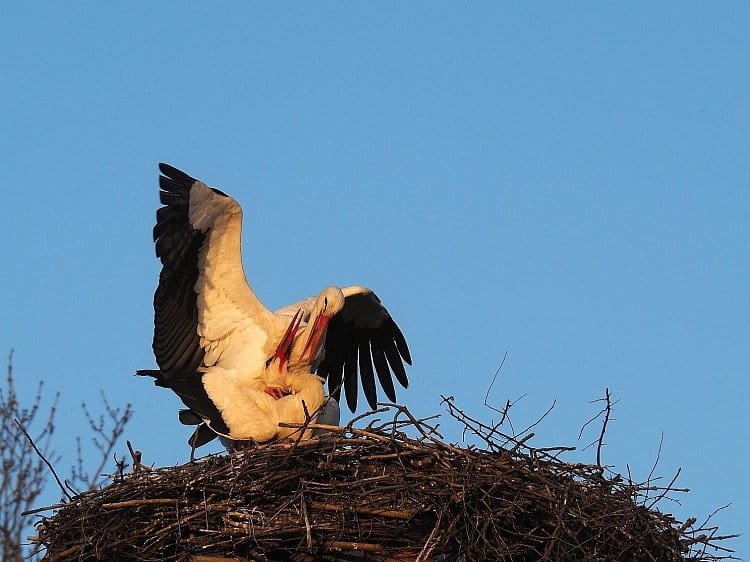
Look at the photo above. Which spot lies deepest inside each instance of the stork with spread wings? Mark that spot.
(240, 368)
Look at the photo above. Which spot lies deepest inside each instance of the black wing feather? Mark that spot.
(350, 372)
(364, 328)
(176, 342)
(391, 353)
(384, 374)
(365, 371)
(400, 340)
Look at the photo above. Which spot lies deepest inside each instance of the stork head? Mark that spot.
(330, 301)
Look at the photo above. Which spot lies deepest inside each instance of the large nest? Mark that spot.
(375, 493)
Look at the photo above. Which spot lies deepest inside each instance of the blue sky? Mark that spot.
(566, 182)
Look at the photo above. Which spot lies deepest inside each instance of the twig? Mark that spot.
(537, 422)
(136, 456)
(656, 463)
(492, 383)
(666, 490)
(41, 456)
(608, 411)
(393, 514)
(45, 508)
(145, 501)
(347, 545)
(308, 530)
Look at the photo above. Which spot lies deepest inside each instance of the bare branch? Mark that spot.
(107, 429)
(492, 383)
(23, 474)
(41, 456)
(606, 411)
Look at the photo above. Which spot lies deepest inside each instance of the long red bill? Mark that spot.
(285, 347)
(316, 334)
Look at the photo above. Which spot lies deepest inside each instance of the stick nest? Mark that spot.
(391, 490)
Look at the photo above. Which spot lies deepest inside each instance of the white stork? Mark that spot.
(239, 368)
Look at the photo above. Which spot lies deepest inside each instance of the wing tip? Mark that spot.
(175, 174)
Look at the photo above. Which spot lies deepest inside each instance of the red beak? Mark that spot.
(282, 351)
(316, 335)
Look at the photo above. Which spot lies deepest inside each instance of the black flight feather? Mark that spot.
(364, 329)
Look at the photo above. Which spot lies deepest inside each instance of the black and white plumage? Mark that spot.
(239, 368)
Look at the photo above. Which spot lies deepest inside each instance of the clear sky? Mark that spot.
(565, 182)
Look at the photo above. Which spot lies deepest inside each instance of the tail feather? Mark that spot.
(155, 373)
(188, 417)
(202, 435)
(188, 386)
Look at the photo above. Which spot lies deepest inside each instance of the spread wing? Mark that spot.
(361, 335)
(204, 311)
